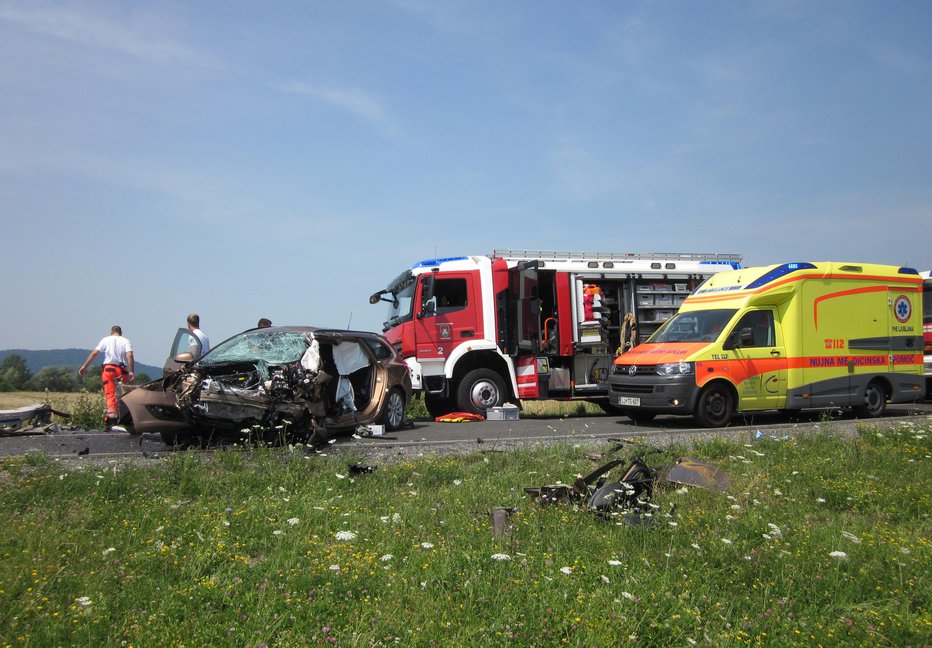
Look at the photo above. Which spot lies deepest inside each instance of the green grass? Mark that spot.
(273, 547)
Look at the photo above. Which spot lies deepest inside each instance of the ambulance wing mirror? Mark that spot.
(739, 338)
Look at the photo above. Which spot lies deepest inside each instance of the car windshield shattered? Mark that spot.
(695, 326)
(261, 345)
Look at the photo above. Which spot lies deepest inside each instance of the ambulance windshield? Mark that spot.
(694, 326)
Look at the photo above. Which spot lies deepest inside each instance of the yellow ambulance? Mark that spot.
(781, 337)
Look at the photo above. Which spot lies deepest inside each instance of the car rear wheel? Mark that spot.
(480, 390)
(716, 406)
(875, 401)
(394, 415)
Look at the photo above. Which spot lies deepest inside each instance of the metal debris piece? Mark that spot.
(38, 415)
(690, 472)
(500, 516)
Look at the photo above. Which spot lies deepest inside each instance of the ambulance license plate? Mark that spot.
(629, 401)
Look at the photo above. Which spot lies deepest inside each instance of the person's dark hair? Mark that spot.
(264, 323)
(116, 330)
(194, 320)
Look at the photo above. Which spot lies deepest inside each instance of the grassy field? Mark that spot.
(819, 541)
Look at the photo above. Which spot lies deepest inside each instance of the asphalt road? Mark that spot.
(428, 438)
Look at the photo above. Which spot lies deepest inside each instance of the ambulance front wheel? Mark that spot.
(716, 406)
(875, 401)
(480, 390)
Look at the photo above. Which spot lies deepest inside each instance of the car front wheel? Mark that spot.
(394, 415)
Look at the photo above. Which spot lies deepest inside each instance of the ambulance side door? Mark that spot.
(758, 360)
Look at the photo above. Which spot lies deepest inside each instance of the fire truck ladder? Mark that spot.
(546, 255)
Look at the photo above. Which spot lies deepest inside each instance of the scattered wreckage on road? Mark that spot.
(29, 419)
(277, 384)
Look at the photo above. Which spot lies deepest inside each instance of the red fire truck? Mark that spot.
(479, 331)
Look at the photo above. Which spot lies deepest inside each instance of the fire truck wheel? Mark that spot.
(875, 401)
(437, 405)
(715, 407)
(394, 416)
(479, 390)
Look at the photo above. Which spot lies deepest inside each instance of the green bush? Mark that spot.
(87, 410)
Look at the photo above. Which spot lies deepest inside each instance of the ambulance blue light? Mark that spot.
(911, 271)
(430, 263)
(776, 273)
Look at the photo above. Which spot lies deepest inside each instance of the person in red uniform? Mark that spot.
(117, 366)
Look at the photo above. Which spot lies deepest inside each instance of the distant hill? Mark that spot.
(36, 360)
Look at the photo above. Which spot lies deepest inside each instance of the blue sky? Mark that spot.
(286, 159)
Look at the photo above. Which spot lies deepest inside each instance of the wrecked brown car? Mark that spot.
(277, 384)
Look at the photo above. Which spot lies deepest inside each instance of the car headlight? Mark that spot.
(676, 369)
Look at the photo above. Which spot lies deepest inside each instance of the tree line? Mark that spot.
(15, 376)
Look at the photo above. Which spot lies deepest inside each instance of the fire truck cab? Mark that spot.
(479, 331)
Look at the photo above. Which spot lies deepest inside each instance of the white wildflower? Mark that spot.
(775, 531)
(841, 555)
(396, 518)
(293, 521)
(726, 540)
(345, 535)
(334, 568)
(614, 563)
(606, 580)
(820, 500)
(850, 536)
(695, 546)
(339, 476)
(427, 545)
(109, 550)
(277, 532)
(682, 491)
(457, 482)
(501, 556)
(566, 570)
(84, 601)
(628, 595)
(386, 557)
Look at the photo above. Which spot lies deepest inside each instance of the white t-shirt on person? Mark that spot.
(203, 339)
(115, 349)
